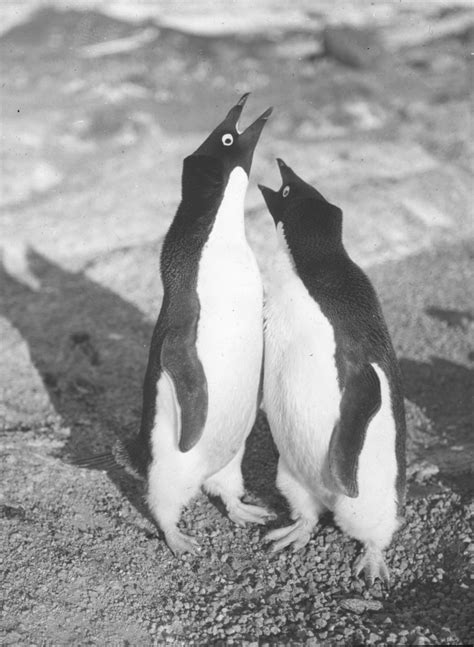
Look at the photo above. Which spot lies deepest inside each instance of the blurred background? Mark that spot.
(100, 101)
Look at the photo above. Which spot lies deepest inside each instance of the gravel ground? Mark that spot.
(92, 148)
(84, 564)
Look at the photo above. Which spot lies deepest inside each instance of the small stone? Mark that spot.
(421, 640)
(373, 605)
(357, 605)
(320, 623)
(12, 638)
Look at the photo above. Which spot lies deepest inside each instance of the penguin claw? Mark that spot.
(297, 534)
(241, 513)
(180, 543)
(373, 565)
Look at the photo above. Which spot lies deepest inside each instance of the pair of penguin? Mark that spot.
(331, 385)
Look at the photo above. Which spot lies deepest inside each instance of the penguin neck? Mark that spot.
(318, 262)
(229, 221)
(283, 262)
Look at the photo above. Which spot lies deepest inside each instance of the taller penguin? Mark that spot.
(332, 390)
(202, 380)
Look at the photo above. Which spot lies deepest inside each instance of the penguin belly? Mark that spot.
(301, 391)
(229, 344)
(230, 347)
(302, 401)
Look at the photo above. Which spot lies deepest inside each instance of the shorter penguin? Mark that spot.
(332, 386)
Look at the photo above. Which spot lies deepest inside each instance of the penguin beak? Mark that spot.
(252, 133)
(271, 199)
(234, 113)
(208, 147)
(242, 153)
(287, 174)
(249, 138)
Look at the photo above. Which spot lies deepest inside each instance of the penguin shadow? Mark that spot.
(443, 390)
(259, 468)
(444, 603)
(90, 348)
(418, 604)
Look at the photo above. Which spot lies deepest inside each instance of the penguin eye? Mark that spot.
(227, 139)
(286, 191)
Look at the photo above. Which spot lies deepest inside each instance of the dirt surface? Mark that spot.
(97, 114)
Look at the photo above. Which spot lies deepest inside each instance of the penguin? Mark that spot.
(202, 381)
(332, 389)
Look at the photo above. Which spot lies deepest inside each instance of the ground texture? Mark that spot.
(97, 114)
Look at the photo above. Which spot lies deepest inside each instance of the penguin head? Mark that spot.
(229, 147)
(310, 225)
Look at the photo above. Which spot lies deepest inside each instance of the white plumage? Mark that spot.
(229, 346)
(302, 399)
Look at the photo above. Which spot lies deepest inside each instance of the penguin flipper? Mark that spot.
(180, 360)
(361, 399)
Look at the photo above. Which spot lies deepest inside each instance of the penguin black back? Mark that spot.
(173, 345)
(312, 228)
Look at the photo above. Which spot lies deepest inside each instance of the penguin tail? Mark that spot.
(104, 461)
(122, 456)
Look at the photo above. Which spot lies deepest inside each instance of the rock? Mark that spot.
(459, 25)
(422, 471)
(355, 47)
(357, 605)
(12, 638)
(12, 512)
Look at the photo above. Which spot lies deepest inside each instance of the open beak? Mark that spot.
(251, 134)
(234, 113)
(253, 131)
(249, 138)
(271, 198)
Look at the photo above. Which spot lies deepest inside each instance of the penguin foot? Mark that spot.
(180, 543)
(241, 513)
(373, 564)
(298, 534)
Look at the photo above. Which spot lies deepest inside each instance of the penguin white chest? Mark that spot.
(230, 337)
(301, 391)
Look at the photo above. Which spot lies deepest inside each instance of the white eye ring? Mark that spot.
(227, 139)
(286, 191)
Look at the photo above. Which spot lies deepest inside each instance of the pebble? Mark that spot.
(358, 606)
